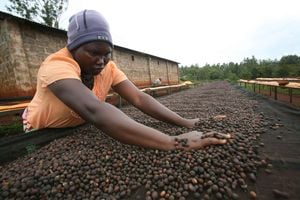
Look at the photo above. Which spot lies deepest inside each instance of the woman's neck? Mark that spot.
(88, 80)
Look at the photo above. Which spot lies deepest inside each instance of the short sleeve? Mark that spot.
(118, 75)
(55, 70)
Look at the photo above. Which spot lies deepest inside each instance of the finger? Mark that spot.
(210, 141)
(219, 117)
(227, 136)
(216, 134)
(191, 135)
(209, 134)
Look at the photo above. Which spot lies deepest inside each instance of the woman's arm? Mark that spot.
(116, 124)
(150, 106)
(107, 117)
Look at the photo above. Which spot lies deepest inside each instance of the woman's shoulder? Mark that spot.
(59, 65)
(61, 59)
(62, 55)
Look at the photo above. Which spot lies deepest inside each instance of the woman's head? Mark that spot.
(89, 41)
(92, 57)
(87, 26)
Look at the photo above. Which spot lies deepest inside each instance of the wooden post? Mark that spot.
(291, 94)
(168, 73)
(258, 88)
(275, 90)
(254, 86)
(270, 90)
(149, 69)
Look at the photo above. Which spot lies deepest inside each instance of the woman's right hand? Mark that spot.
(198, 140)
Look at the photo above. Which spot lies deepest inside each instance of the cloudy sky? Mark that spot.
(200, 31)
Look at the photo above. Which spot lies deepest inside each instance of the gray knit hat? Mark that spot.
(87, 26)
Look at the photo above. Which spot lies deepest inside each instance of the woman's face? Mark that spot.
(92, 57)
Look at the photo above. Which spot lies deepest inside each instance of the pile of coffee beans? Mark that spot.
(91, 165)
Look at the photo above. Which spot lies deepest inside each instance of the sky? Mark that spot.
(199, 31)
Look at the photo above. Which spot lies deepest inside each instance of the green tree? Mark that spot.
(25, 8)
(289, 66)
(232, 77)
(46, 12)
(245, 73)
(249, 68)
(255, 72)
(250, 61)
(290, 60)
(266, 71)
(52, 10)
(204, 73)
(282, 72)
(215, 74)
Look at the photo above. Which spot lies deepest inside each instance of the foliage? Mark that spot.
(47, 12)
(24, 8)
(289, 60)
(52, 10)
(249, 68)
(11, 129)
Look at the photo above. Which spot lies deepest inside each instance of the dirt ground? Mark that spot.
(285, 98)
(281, 149)
(270, 128)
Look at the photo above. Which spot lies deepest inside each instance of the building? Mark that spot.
(25, 44)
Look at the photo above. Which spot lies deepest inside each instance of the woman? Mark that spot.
(73, 83)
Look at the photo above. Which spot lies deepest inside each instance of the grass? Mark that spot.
(11, 129)
(280, 90)
(10, 125)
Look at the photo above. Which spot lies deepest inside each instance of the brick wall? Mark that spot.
(134, 65)
(23, 48)
(143, 69)
(7, 77)
(24, 45)
(37, 45)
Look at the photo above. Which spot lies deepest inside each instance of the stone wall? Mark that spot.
(142, 69)
(134, 65)
(37, 45)
(7, 77)
(25, 44)
(23, 47)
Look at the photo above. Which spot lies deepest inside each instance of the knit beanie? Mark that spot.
(87, 26)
